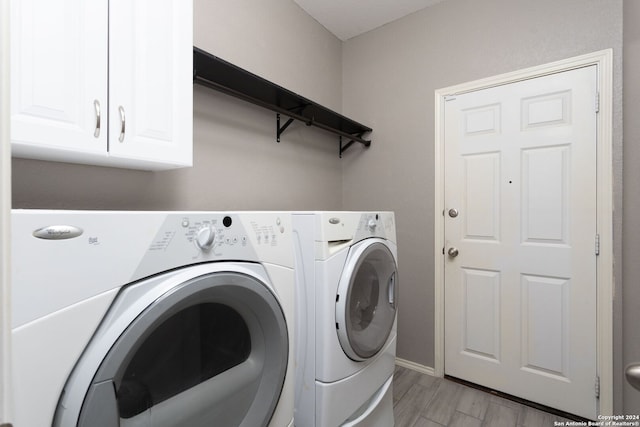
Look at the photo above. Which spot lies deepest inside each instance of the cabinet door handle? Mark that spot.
(96, 105)
(122, 123)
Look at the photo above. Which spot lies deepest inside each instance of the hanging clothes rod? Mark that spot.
(222, 76)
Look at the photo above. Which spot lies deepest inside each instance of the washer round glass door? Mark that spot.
(212, 350)
(367, 299)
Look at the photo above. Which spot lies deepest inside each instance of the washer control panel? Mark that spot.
(212, 234)
(203, 236)
(104, 250)
(216, 233)
(376, 224)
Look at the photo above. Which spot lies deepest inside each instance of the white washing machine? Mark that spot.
(347, 293)
(152, 319)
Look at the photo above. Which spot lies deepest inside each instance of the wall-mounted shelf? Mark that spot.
(215, 73)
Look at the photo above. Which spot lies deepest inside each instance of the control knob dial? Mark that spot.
(205, 237)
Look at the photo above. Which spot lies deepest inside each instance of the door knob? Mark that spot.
(453, 252)
(633, 375)
(453, 212)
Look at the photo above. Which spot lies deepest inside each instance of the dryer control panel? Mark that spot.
(212, 234)
(106, 249)
(191, 237)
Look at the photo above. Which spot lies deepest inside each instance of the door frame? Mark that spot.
(6, 413)
(603, 60)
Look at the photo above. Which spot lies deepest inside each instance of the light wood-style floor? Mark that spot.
(421, 400)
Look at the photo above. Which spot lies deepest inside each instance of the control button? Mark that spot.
(372, 224)
(205, 238)
(278, 222)
(226, 221)
(185, 223)
(235, 240)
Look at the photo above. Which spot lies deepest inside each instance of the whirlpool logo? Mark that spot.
(58, 232)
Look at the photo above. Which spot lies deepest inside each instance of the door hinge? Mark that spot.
(597, 102)
(597, 387)
(597, 244)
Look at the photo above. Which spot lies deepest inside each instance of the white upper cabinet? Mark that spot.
(103, 82)
(58, 78)
(151, 80)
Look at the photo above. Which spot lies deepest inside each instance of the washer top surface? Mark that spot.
(92, 252)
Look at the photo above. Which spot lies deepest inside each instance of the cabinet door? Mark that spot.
(151, 82)
(58, 78)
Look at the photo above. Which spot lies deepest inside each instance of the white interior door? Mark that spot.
(520, 296)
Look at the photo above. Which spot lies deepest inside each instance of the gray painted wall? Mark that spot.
(237, 162)
(389, 78)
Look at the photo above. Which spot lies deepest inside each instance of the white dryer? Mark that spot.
(152, 318)
(347, 287)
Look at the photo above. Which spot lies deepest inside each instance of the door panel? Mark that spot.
(482, 196)
(150, 80)
(545, 179)
(482, 319)
(544, 314)
(58, 75)
(520, 169)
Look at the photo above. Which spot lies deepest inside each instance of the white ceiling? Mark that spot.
(349, 18)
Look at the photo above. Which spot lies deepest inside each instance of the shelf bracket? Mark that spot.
(356, 138)
(280, 129)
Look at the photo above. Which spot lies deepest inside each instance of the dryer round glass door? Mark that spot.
(366, 300)
(212, 350)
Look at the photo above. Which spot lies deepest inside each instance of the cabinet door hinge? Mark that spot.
(597, 387)
(597, 244)
(597, 102)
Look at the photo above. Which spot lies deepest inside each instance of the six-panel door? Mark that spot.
(520, 296)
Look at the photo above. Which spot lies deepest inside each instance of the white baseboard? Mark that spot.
(415, 366)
